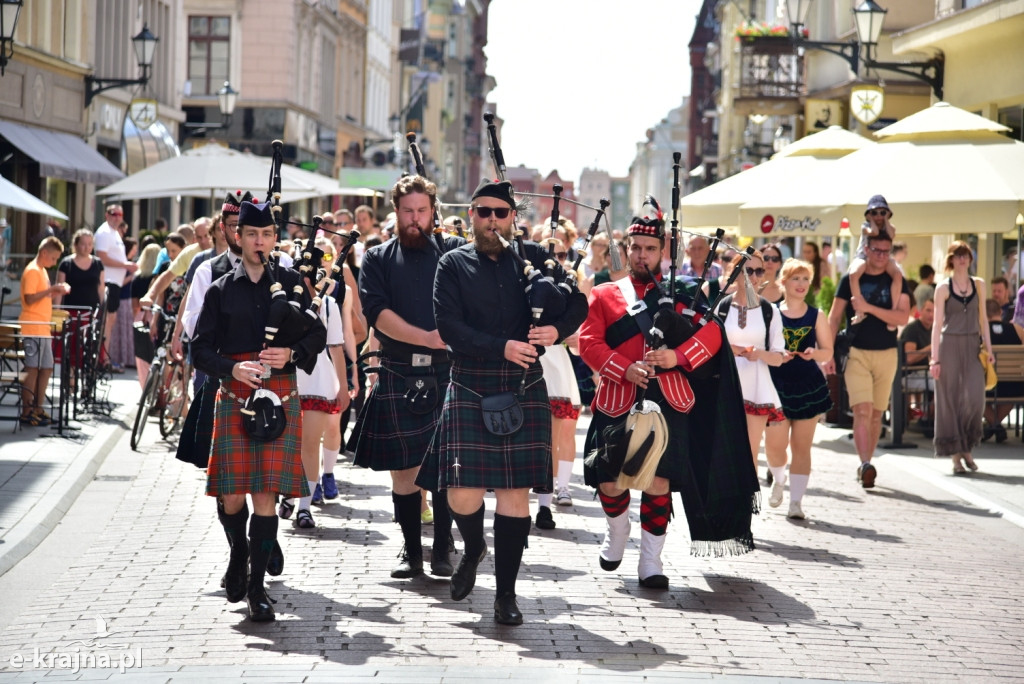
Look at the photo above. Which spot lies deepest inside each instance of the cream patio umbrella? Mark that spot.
(718, 205)
(212, 171)
(13, 197)
(943, 170)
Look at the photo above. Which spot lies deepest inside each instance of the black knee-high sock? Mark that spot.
(471, 527)
(442, 521)
(510, 536)
(234, 528)
(262, 535)
(407, 513)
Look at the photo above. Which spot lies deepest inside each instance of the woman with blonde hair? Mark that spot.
(960, 325)
(753, 326)
(142, 342)
(801, 385)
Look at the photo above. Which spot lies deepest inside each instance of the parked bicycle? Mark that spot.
(166, 389)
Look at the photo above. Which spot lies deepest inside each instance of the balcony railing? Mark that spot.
(771, 76)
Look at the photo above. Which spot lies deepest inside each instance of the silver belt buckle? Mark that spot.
(420, 360)
(636, 307)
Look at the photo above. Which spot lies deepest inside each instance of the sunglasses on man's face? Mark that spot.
(499, 212)
(754, 271)
(879, 251)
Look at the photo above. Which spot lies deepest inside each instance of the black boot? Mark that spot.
(275, 566)
(510, 535)
(440, 562)
(236, 578)
(262, 534)
(407, 513)
(471, 527)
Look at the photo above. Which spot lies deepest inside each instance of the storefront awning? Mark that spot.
(61, 155)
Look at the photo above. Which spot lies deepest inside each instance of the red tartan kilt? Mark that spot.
(240, 465)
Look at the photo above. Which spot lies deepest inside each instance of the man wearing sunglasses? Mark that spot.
(706, 425)
(398, 417)
(483, 313)
(872, 361)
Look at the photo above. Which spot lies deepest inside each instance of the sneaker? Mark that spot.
(544, 519)
(795, 512)
(778, 489)
(318, 495)
(427, 517)
(866, 475)
(563, 498)
(330, 486)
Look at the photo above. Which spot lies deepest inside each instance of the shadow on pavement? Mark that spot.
(955, 506)
(818, 525)
(809, 554)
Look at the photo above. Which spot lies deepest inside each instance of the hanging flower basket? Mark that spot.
(750, 32)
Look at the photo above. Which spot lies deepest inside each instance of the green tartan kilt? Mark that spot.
(464, 454)
(240, 465)
(673, 465)
(387, 435)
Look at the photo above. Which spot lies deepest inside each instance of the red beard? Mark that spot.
(412, 239)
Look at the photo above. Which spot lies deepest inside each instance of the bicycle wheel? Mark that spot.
(146, 402)
(175, 393)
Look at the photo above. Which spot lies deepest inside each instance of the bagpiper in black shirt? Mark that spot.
(233, 319)
(402, 280)
(480, 303)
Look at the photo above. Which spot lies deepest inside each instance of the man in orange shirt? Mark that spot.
(36, 310)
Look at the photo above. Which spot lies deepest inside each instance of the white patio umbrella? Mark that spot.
(213, 171)
(943, 170)
(718, 205)
(13, 197)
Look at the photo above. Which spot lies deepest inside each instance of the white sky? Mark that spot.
(581, 81)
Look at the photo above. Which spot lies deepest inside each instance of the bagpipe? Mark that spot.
(421, 171)
(287, 321)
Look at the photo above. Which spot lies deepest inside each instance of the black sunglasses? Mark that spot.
(485, 212)
(773, 259)
(754, 271)
(561, 255)
(877, 212)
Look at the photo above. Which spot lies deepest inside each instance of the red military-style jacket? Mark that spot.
(615, 395)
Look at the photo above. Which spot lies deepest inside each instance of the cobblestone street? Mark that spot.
(902, 583)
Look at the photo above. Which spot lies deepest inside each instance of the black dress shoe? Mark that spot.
(235, 582)
(275, 564)
(544, 519)
(609, 565)
(440, 564)
(654, 582)
(261, 608)
(411, 566)
(506, 610)
(465, 576)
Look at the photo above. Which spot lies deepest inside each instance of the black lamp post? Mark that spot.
(227, 98)
(868, 18)
(145, 45)
(797, 11)
(9, 11)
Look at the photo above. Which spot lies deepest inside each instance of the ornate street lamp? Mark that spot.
(145, 45)
(9, 11)
(227, 98)
(797, 11)
(868, 18)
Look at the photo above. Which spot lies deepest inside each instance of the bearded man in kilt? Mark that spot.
(482, 313)
(229, 345)
(398, 418)
(695, 386)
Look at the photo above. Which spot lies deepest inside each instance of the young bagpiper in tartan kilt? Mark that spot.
(695, 386)
(229, 345)
(398, 418)
(482, 313)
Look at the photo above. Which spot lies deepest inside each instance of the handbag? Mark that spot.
(502, 415)
(990, 371)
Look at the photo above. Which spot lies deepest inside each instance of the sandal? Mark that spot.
(285, 509)
(304, 519)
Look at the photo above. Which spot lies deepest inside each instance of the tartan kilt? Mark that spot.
(672, 466)
(464, 454)
(239, 465)
(387, 435)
